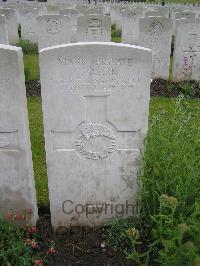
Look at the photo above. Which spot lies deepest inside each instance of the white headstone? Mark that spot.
(156, 13)
(130, 26)
(179, 15)
(53, 30)
(90, 11)
(188, 15)
(53, 10)
(116, 15)
(17, 187)
(3, 30)
(73, 15)
(12, 25)
(156, 34)
(186, 62)
(95, 105)
(28, 23)
(92, 28)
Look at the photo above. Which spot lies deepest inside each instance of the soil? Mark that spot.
(77, 245)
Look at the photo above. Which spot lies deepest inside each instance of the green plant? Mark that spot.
(18, 244)
(168, 230)
(27, 46)
(172, 159)
(115, 232)
(31, 66)
(189, 89)
(115, 32)
(173, 241)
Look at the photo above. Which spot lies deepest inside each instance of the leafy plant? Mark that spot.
(115, 32)
(168, 230)
(173, 168)
(19, 242)
(189, 89)
(27, 46)
(115, 232)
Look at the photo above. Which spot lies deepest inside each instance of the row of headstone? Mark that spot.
(95, 100)
(27, 14)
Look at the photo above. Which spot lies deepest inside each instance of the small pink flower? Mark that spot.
(30, 211)
(33, 244)
(51, 250)
(20, 217)
(9, 215)
(31, 229)
(38, 262)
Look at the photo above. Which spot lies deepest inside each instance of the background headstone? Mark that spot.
(17, 187)
(28, 23)
(91, 28)
(53, 30)
(130, 26)
(73, 15)
(186, 62)
(3, 30)
(12, 25)
(95, 104)
(156, 34)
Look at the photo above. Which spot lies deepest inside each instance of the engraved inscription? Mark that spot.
(53, 26)
(4, 84)
(9, 141)
(156, 28)
(94, 27)
(132, 17)
(101, 149)
(98, 74)
(3, 142)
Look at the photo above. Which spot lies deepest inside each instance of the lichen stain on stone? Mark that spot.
(128, 179)
(121, 169)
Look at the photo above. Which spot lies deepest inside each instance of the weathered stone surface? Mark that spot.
(73, 15)
(12, 25)
(28, 23)
(130, 25)
(180, 15)
(95, 104)
(17, 187)
(3, 30)
(157, 13)
(92, 28)
(53, 30)
(156, 34)
(186, 63)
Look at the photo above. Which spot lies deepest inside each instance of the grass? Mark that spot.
(167, 232)
(31, 67)
(116, 39)
(157, 104)
(38, 150)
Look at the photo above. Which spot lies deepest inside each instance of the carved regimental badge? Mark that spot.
(96, 141)
(53, 26)
(3, 142)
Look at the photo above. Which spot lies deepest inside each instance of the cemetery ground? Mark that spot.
(168, 230)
